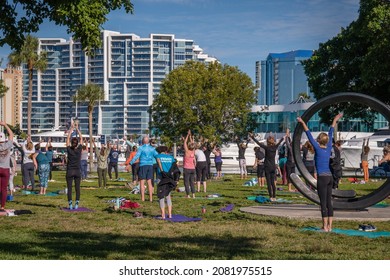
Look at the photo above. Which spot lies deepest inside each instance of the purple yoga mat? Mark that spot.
(228, 208)
(80, 209)
(180, 219)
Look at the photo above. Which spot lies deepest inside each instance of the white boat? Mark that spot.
(352, 149)
(58, 138)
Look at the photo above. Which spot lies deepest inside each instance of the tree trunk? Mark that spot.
(90, 112)
(29, 99)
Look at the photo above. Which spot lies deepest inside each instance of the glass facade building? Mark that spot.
(129, 69)
(281, 78)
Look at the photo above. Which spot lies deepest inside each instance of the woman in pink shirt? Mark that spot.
(189, 164)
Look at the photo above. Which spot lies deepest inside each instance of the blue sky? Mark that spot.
(236, 32)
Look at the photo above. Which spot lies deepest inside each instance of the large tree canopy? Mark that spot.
(84, 18)
(355, 60)
(212, 100)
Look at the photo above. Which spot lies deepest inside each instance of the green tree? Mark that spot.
(213, 100)
(355, 60)
(3, 87)
(83, 18)
(89, 94)
(34, 60)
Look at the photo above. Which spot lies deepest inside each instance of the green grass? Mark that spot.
(50, 233)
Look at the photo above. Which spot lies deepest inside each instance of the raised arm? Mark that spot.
(305, 128)
(186, 140)
(9, 131)
(69, 134)
(252, 136)
(80, 135)
(336, 119)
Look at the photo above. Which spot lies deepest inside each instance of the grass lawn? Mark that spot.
(50, 233)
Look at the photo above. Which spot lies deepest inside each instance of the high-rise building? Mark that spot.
(129, 69)
(11, 101)
(281, 77)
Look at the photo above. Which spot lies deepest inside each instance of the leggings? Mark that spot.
(84, 169)
(290, 168)
(43, 172)
(324, 189)
(189, 178)
(4, 178)
(28, 174)
(242, 164)
(134, 171)
(201, 171)
(270, 177)
(73, 174)
(365, 170)
(162, 201)
(110, 166)
(102, 176)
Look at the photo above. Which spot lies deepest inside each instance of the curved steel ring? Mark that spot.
(362, 202)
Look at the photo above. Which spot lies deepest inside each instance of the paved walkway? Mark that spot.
(304, 211)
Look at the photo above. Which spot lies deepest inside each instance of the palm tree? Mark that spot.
(34, 60)
(89, 94)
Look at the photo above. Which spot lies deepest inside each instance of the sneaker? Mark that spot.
(76, 205)
(70, 205)
(362, 227)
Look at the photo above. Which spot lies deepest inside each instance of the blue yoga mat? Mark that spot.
(352, 232)
(180, 219)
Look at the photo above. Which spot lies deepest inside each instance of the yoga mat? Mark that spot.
(352, 232)
(228, 208)
(80, 209)
(7, 212)
(382, 204)
(52, 194)
(179, 219)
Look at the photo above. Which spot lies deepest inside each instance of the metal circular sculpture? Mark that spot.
(341, 199)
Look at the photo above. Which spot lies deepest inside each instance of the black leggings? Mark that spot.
(115, 166)
(73, 174)
(324, 189)
(270, 178)
(189, 178)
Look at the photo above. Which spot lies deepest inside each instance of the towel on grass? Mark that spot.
(262, 199)
(352, 232)
(179, 219)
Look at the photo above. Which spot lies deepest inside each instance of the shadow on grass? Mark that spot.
(88, 245)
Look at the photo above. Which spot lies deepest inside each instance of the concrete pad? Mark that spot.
(305, 211)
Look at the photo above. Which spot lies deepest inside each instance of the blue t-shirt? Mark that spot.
(166, 162)
(322, 155)
(145, 154)
(114, 156)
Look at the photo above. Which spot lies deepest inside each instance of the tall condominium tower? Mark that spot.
(129, 69)
(281, 77)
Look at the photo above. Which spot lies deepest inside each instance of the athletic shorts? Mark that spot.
(260, 170)
(145, 172)
(218, 166)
